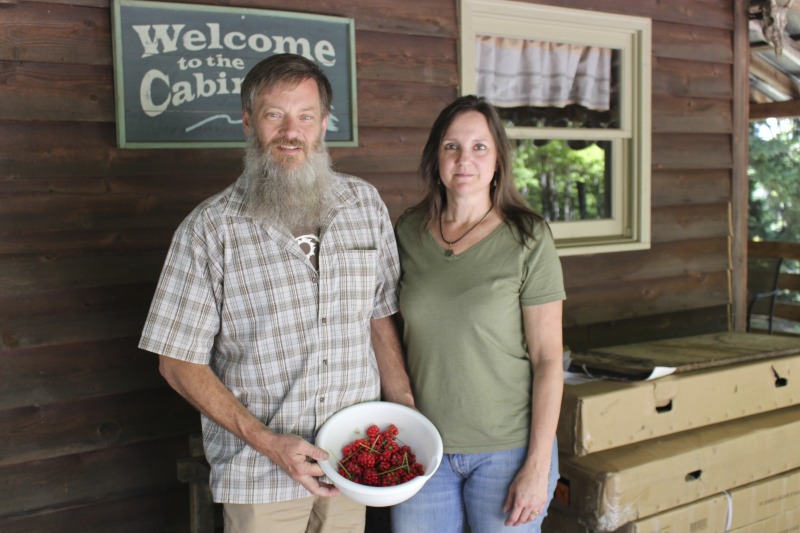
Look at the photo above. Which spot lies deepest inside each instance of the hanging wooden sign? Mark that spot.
(178, 69)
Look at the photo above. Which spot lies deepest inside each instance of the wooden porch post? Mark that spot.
(739, 188)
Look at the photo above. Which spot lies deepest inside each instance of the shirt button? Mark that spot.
(325, 362)
(322, 399)
(324, 320)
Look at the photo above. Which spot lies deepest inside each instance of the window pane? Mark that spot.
(564, 180)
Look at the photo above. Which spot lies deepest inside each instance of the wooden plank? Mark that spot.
(398, 190)
(37, 91)
(85, 3)
(653, 327)
(30, 274)
(103, 474)
(407, 58)
(678, 77)
(167, 186)
(71, 316)
(776, 78)
(163, 510)
(687, 187)
(54, 33)
(57, 241)
(401, 104)
(787, 250)
(41, 432)
(414, 17)
(711, 14)
(35, 212)
(695, 43)
(382, 150)
(740, 196)
(663, 260)
(68, 149)
(788, 109)
(637, 298)
(789, 281)
(679, 223)
(78, 31)
(788, 311)
(45, 375)
(686, 353)
(697, 115)
(688, 150)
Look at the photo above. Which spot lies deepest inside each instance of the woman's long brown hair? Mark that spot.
(504, 194)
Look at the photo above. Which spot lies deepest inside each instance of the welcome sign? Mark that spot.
(179, 68)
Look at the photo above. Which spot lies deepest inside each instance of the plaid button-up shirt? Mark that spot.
(291, 342)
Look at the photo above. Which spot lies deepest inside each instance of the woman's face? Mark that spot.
(468, 156)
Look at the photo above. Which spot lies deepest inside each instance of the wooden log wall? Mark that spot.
(90, 433)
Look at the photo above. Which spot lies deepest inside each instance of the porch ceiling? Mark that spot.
(774, 76)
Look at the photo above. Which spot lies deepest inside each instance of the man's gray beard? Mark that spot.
(294, 198)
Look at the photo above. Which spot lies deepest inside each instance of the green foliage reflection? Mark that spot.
(562, 183)
(774, 178)
(774, 172)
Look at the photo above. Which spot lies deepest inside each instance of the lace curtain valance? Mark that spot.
(519, 72)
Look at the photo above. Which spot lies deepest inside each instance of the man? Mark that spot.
(274, 307)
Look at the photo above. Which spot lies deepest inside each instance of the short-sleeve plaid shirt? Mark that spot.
(290, 341)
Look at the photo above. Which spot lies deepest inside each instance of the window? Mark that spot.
(573, 88)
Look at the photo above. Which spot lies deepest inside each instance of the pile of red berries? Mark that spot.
(379, 460)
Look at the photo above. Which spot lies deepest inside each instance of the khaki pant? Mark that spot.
(306, 515)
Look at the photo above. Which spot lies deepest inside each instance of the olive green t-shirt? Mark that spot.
(463, 331)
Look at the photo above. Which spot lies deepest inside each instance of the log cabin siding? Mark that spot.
(91, 434)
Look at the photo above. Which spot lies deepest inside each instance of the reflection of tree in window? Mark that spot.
(563, 183)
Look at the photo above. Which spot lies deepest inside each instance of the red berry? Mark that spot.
(379, 460)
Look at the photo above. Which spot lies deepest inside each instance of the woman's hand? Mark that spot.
(527, 494)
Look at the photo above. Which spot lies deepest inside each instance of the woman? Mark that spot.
(480, 295)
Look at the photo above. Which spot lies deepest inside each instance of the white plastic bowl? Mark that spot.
(352, 422)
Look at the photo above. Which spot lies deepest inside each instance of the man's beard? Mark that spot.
(292, 197)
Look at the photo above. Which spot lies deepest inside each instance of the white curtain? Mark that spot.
(520, 72)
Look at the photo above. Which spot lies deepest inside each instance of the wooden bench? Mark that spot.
(195, 471)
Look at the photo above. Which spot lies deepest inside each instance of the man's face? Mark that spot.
(287, 121)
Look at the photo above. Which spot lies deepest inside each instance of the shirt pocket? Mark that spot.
(357, 270)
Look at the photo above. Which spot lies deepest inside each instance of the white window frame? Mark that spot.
(628, 228)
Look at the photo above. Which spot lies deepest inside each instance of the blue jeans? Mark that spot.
(469, 489)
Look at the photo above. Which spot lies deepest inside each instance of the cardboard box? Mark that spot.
(733, 509)
(602, 415)
(609, 489)
(786, 522)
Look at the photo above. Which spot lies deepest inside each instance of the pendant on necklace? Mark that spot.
(448, 252)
